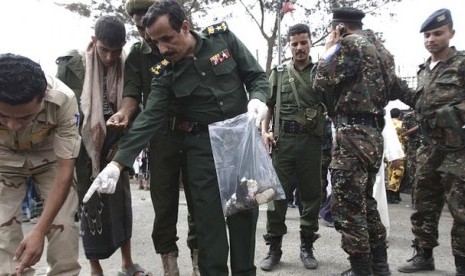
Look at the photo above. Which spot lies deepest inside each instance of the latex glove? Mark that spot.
(258, 109)
(105, 182)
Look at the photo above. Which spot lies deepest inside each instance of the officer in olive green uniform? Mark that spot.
(298, 147)
(38, 138)
(165, 152)
(440, 176)
(209, 75)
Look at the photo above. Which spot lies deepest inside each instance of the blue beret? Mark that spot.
(348, 15)
(437, 19)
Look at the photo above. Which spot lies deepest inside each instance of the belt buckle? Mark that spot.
(185, 126)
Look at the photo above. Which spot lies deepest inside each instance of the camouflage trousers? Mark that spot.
(395, 175)
(356, 160)
(435, 187)
(63, 235)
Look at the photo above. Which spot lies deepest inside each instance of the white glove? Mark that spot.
(105, 182)
(258, 109)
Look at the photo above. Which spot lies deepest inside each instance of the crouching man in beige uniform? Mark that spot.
(38, 138)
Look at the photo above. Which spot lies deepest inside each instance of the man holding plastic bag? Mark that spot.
(209, 74)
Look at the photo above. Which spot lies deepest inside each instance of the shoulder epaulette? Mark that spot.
(158, 68)
(216, 29)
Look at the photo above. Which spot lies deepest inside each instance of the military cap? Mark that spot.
(352, 15)
(132, 5)
(437, 19)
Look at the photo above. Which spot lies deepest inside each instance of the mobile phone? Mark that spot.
(341, 28)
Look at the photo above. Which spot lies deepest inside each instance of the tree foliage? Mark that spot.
(267, 15)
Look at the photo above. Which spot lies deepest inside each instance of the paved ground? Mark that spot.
(327, 248)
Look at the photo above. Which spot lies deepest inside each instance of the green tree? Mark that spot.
(267, 15)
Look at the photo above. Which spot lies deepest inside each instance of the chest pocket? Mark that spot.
(225, 79)
(185, 82)
(41, 132)
(6, 138)
(449, 88)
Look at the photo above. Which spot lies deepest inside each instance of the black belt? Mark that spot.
(292, 127)
(376, 121)
(191, 126)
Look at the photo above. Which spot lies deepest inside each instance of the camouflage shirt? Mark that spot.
(351, 75)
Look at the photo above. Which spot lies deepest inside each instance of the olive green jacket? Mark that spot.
(209, 87)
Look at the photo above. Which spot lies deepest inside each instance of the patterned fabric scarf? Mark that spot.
(94, 125)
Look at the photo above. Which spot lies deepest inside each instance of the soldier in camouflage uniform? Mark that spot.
(356, 73)
(298, 147)
(440, 102)
(165, 153)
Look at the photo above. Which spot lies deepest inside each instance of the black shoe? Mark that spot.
(359, 266)
(379, 263)
(459, 265)
(306, 250)
(423, 260)
(391, 197)
(273, 256)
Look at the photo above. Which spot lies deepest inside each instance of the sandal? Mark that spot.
(133, 270)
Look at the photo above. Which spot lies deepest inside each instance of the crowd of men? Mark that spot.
(77, 134)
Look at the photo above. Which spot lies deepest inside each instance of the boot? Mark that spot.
(459, 265)
(423, 260)
(170, 263)
(306, 249)
(359, 266)
(391, 197)
(274, 254)
(397, 196)
(379, 264)
(195, 262)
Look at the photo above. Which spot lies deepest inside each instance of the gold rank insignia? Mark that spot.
(159, 67)
(217, 28)
(220, 57)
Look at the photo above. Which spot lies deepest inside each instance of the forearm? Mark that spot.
(266, 121)
(58, 194)
(129, 106)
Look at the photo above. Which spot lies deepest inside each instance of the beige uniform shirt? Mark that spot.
(54, 133)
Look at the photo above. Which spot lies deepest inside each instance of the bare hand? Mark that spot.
(29, 251)
(333, 38)
(118, 120)
(268, 139)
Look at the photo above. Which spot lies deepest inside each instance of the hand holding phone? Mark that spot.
(341, 28)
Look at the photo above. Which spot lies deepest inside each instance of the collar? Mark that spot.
(452, 54)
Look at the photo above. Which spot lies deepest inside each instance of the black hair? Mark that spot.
(350, 25)
(171, 8)
(395, 113)
(298, 29)
(110, 31)
(21, 80)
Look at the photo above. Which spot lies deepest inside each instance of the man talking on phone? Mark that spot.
(355, 75)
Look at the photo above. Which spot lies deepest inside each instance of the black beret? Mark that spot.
(348, 15)
(437, 19)
(132, 5)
